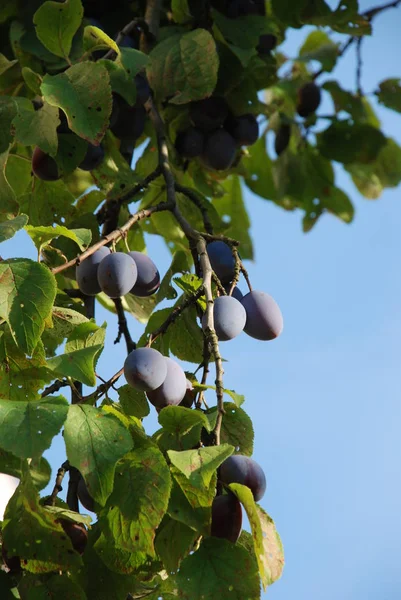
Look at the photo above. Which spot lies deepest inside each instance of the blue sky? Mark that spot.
(325, 397)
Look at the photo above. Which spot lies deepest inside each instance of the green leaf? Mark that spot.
(181, 428)
(27, 292)
(200, 465)
(179, 264)
(133, 402)
(59, 586)
(173, 542)
(186, 338)
(219, 569)
(27, 428)
(346, 142)
(97, 39)
(121, 82)
(39, 468)
(19, 174)
(29, 530)
(8, 204)
(79, 364)
(83, 92)
(389, 93)
(259, 177)
(114, 175)
(38, 127)
(63, 322)
(243, 32)
(117, 559)
(232, 205)
(9, 228)
(267, 543)
(133, 60)
(236, 428)
(87, 335)
(8, 110)
(288, 11)
(41, 236)
(184, 67)
(318, 46)
(190, 503)
(95, 441)
(139, 500)
(33, 80)
(56, 24)
(70, 153)
(48, 202)
(7, 589)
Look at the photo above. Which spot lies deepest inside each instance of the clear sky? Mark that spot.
(325, 397)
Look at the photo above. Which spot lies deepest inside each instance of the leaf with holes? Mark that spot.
(83, 92)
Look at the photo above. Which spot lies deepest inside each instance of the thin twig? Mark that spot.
(102, 389)
(127, 30)
(51, 500)
(114, 236)
(54, 387)
(123, 326)
(359, 63)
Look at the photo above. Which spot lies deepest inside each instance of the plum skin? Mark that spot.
(117, 274)
(219, 150)
(77, 534)
(264, 320)
(229, 317)
(145, 369)
(226, 517)
(222, 260)
(148, 276)
(244, 470)
(44, 166)
(309, 97)
(86, 272)
(173, 389)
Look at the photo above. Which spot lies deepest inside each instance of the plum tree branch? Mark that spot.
(114, 236)
(194, 198)
(51, 500)
(123, 326)
(103, 388)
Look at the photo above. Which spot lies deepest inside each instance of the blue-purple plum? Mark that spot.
(309, 97)
(264, 320)
(86, 272)
(222, 260)
(190, 393)
(44, 166)
(226, 517)
(219, 150)
(93, 158)
(129, 122)
(244, 470)
(145, 369)
(237, 294)
(229, 317)
(142, 89)
(117, 274)
(173, 389)
(77, 533)
(190, 142)
(209, 114)
(244, 129)
(148, 279)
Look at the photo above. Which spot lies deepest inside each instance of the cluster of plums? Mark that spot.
(226, 509)
(163, 380)
(256, 313)
(117, 273)
(215, 133)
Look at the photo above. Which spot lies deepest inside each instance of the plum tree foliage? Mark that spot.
(205, 90)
